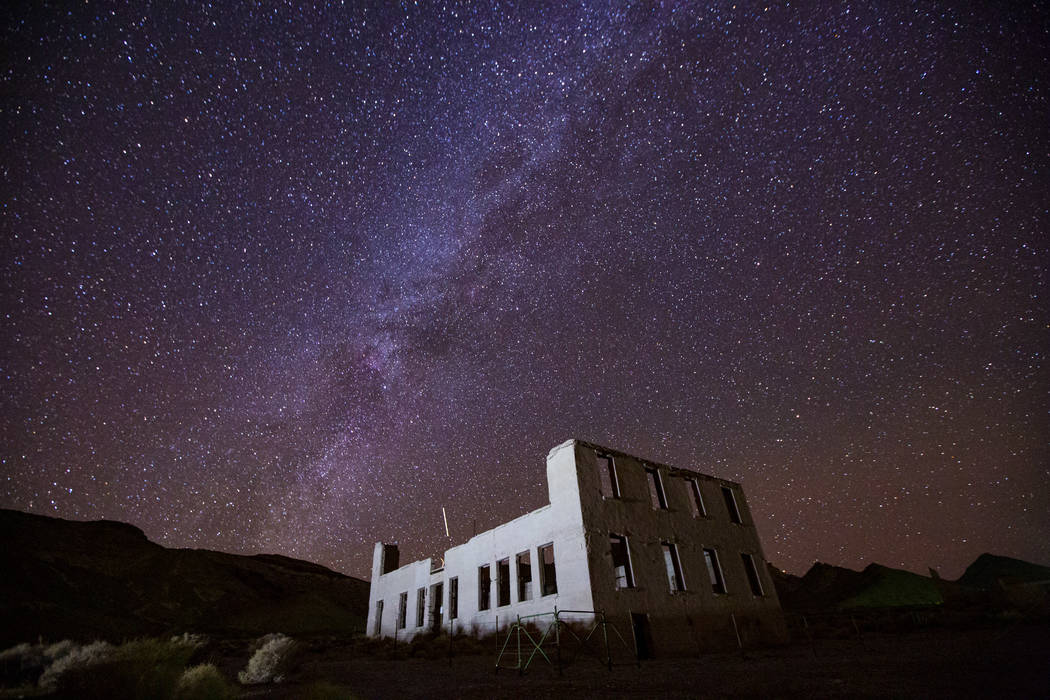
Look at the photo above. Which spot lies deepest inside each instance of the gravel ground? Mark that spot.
(1011, 661)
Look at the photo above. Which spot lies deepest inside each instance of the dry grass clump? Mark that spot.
(75, 660)
(143, 668)
(203, 682)
(271, 660)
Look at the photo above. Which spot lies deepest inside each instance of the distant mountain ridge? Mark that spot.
(105, 579)
(828, 587)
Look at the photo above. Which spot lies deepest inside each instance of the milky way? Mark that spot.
(291, 280)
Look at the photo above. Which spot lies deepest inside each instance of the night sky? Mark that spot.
(289, 280)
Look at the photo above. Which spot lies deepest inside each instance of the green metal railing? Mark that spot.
(552, 635)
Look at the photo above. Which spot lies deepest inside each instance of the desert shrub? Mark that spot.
(271, 660)
(203, 682)
(22, 664)
(59, 649)
(144, 668)
(192, 640)
(75, 661)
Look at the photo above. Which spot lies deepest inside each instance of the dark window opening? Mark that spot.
(524, 563)
(656, 489)
(437, 606)
(718, 584)
(421, 601)
(548, 577)
(674, 567)
(696, 501)
(378, 626)
(503, 582)
(752, 574)
(402, 611)
(607, 474)
(453, 598)
(390, 558)
(621, 561)
(734, 513)
(484, 587)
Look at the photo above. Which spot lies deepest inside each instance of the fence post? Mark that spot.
(605, 636)
(557, 638)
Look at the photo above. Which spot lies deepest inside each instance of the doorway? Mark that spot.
(643, 636)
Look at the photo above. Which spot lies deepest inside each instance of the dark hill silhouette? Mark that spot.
(834, 587)
(827, 587)
(990, 570)
(105, 579)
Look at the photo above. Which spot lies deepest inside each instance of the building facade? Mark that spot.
(671, 557)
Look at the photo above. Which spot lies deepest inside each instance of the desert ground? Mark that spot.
(1008, 661)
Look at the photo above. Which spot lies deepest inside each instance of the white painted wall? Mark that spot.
(559, 523)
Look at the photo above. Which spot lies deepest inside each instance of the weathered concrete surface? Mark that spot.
(655, 613)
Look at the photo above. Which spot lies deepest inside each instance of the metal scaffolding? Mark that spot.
(557, 631)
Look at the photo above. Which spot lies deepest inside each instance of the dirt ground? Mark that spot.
(1010, 661)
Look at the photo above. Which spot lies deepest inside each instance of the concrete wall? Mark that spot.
(696, 618)
(406, 579)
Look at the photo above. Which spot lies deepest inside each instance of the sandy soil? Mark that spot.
(1009, 662)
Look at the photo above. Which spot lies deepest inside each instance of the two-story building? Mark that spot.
(671, 556)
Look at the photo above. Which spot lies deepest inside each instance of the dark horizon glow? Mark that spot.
(290, 281)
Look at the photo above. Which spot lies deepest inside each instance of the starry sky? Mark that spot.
(290, 279)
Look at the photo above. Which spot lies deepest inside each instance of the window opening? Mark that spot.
(421, 601)
(656, 488)
(674, 567)
(548, 576)
(718, 584)
(734, 513)
(696, 501)
(484, 587)
(607, 475)
(524, 563)
(752, 574)
(621, 561)
(377, 627)
(503, 582)
(402, 611)
(453, 598)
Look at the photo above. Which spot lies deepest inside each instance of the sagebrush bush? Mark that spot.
(59, 649)
(21, 665)
(203, 682)
(74, 660)
(271, 660)
(143, 668)
(17, 652)
(191, 640)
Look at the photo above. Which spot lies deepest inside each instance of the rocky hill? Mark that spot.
(991, 581)
(104, 579)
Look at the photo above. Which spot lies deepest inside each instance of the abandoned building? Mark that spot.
(671, 557)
